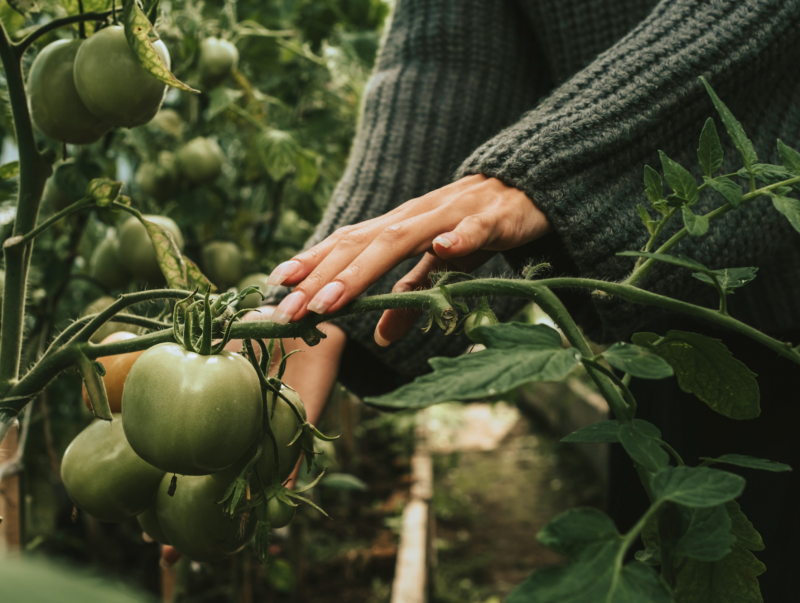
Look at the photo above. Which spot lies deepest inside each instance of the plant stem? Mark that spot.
(626, 393)
(21, 46)
(77, 206)
(673, 452)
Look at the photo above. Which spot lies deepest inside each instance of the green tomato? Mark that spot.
(253, 300)
(105, 265)
(56, 108)
(195, 524)
(98, 305)
(279, 514)
(104, 476)
(159, 179)
(469, 324)
(137, 251)
(168, 121)
(148, 521)
(191, 414)
(222, 263)
(217, 59)
(200, 160)
(112, 83)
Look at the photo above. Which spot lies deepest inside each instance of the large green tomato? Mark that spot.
(98, 305)
(148, 521)
(137, 251)
(200, 160)
(253, 300)
(222, 263)
(104, 476)
(217, 59)
(159, 179)
(195, 524)
(112, 83)
(105, 265)
(56, 108)
(191, 414)
(284, 425)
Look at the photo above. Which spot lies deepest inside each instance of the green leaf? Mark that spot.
(25, 7)
(103, 191)
(278, 150)
(508, 335)
(746, 535)
(637, 361)
(654, 186)
(137, 32)
(179, 272)
(608, 432)
(307, 173)
(679, 260)
(750, 462)
(696, 225)
(705, 367)
(9, 170)
(709, 152)
(679, 179)
(343, 481)
(789, 158)
(726, 187)
(696, 486)
(789, 207)
(734, 128)
(706, 533)
(220, 98)
(648, 222)
(643, 449)
(729, 278)
(572, 531)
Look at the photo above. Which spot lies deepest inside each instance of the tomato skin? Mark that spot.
(159, 179)
(217, 59)
(148, 521)
(168, 121)
(112, 83)
(279, 514)
(136, 249)
(222, 263)
(104, 476)
(98, 305)
(195, 525)
(117, 369)
(200, 160)
(56, 108)
(191, 414)
(106, 266)
(253, 300)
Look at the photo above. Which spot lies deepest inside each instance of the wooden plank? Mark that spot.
(10, 529)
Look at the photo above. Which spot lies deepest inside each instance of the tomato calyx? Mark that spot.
(306, 434)
(192, 322)
(482, 316)
(240, 486)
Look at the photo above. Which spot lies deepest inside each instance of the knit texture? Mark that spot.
(566, 100)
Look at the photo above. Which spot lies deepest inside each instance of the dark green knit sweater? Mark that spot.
(567, 100)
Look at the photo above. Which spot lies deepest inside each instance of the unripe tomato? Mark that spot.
(169, 121)
(105, 265)
(104, 476)
(117, 369)
(137, 251)
(469, 324)
(253, 300)
(188, 413)
(222, 263)
(217, 59)
(148, 521)
(200, 160)
(159, 179)
(112, 83)
(195, 524)
(279, 514)
(56, 108)
(98, 305)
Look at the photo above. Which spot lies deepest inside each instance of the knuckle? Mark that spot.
(353, 272)
(394, 233)
(315, 280)
(354, 238)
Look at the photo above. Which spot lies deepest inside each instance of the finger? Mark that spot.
(473, 233)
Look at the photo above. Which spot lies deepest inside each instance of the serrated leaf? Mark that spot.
(679, 179)
(696, 225)
(278, 151)
(679, 260)
(733, 127)
(178, 271)
(643, 449)
(344, 481)
(637, 361)
(9, 170)
(137, 32)
(789, 207)
(750, 462)
(509, 335)
(696, 486)
(706, 533)
(741, 527)
(654, 186)
(726, 187)
(705, 367)
(219, 99)
(729, 278)
(648, 222)
(709, 152)
(608, 432)
(790, 159)
(732, 578)
(570, 532)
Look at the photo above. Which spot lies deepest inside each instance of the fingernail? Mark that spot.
(288, 308)
(443, 241)
(380, 340)
(326, 297)
(283, 271)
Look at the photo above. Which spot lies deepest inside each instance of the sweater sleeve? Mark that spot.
(580, 153)
(450, 74)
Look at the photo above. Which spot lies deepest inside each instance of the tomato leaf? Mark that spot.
(608, 432)
(344, 481)
(643, 449)
(750, 462)
(789, 207)
(706, 533)
(25, 7)
(103, 191)
(679, 179)
(729, 278)
(137, 32)
(704, 367)
(654, 186)
(278, 150)
(503, 336)
(696, 486)
(95, 387)
(648, 222)
(179, 272)
(726, 187)
(677, 260)
(696, 225)
(9, 170)
(637, 361)
(734, 128)
(709, 152)
(789, 158)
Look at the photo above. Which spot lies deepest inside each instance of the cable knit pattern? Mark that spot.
(574, 97)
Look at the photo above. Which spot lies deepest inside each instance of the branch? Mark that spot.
(21, 46)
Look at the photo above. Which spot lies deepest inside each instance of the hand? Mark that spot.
(460, 226)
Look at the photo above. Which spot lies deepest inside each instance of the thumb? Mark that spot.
(472, 233)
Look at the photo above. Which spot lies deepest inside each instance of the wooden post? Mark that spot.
(10, 529)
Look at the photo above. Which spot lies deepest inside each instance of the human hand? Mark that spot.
(460, 226)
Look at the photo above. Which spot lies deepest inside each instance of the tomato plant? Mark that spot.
(116, 372)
